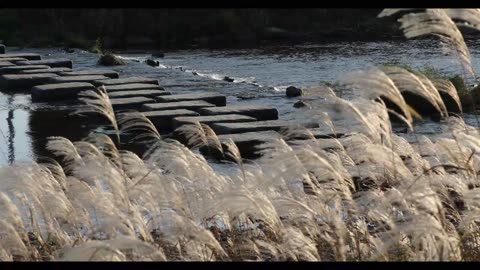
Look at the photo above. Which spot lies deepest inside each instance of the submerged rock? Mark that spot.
(110, 60)
(293, 91)
(299, 104)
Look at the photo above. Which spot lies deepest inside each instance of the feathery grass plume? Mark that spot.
(232, 151)
(242, 201)
(64, 148)
(469, 17)
(200, 135)
(290, 133)
(350, 111)
(55, 169)
(213, 142)
(194, 134)
(105, 144)
(375, 83)
(98, 102)
(297, 246)
(93, 251)
(134, 122)
(437, 22)
(417, 83)
(192, 238)
(12, 243)
(447, 87)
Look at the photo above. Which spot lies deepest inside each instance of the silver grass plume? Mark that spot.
(98, 102)
(437, 22)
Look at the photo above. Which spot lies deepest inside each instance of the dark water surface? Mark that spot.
(260, 77)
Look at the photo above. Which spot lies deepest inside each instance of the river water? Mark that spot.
(260, 76)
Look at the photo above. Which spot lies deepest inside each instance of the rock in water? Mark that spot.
(299, 104)
(228, 79)
(111, 60)
(152, 63)
(293, 91)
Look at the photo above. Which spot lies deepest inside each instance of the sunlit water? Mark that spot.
(260, 77)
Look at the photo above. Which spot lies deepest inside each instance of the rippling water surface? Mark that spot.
(259, 76)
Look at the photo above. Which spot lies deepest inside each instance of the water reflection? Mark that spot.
(11, 131)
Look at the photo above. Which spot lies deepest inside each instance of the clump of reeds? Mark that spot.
(367, 195)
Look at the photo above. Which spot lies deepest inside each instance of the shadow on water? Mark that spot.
(46, 122)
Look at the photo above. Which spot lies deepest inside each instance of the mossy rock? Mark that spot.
(111, 60)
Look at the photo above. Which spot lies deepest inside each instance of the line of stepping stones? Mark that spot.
(53, 80)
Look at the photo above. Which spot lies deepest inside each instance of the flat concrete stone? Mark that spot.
(209, 120)
(59, 91)
(214, 98)
(276, 125)
(47, 70)
(130, 103)
(89, 79)
(6, 64)
(163, 119)
(259, 112)
(2, 49)
(49, 62)
(132, 86)
(326, 132)
(12, 59)
(17, 69)
(107, 73)
(126, 81)
(28, 56)
(188, 105)
(248, 142)
(24, 81)
(138, 93)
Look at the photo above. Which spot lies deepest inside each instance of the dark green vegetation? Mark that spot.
(184, 28)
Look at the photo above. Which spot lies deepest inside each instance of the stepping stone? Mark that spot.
(59, 91)
(2, 49)
(132, 86)
(209, 120)
(107, 73)
(28, 56)
(88, 79)
(6, 64)
(49, 70)
(163, 119)
(259, 112)
(126, 81)
(248, 142)
(49, 62)
(326, 132)
(188, 105)
(214, 98)
(138, 93)
(24, 81)
(12, 59)
(17, 69)
(276, 125)
(130, 103)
